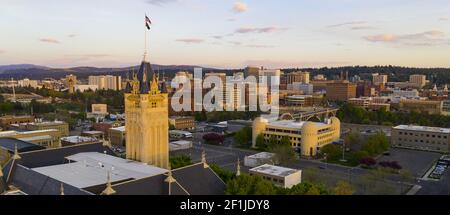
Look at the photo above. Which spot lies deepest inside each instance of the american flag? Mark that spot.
(148, 22)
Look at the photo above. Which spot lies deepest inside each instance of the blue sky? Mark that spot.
(226, 33)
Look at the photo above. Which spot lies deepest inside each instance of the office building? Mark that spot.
(259, 159)
(62, 127)
(106, 82)
(298, 77)
(280, 176)
(421, 106)
(117, 136)
(340, 91)
(378, 79)
(418, 80)
(6, 121)
(421, 138)
(305, 89)
(308, 137)
(369, 103)
(182, 123)
(46, 138)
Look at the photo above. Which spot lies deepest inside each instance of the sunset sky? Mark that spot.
(226, 33)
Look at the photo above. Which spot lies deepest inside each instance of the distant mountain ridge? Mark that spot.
(20, 66)
(19, 71)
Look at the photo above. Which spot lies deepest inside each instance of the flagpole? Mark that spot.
(145, 48)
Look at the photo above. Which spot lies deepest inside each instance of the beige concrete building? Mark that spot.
(47, 138)
(117, 136)
(280, 176)
(378, 79)
(106, 82)
(418, 80)
(182, 123)
(309, 137)
(421, 138)
(423, 106)
(6, 121)
(298, 77)
(62, 127)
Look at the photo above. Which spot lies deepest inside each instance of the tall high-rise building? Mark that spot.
(71, 81)
(418, 80)
(378, 79)
(298, 77)
(252, 71)
(106, 82)
(147, 119)
(341, 90)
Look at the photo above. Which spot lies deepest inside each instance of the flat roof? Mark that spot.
(92, 132)
(22, 146)
(78, 139)
(180, 132)
(423, 128)
(181, 142)
(9, 133)
(292, 124)
(274, 170)
(299, 96)
(36, 138)
(262, 155)
(121, 128)
(91, 169)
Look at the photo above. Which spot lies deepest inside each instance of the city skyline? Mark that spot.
(226, 33)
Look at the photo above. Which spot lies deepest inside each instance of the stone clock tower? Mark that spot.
(147, 119)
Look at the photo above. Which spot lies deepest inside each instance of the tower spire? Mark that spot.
(109, 190)
(238, 167)
(205, 165)
(16, 155)
(61, 189)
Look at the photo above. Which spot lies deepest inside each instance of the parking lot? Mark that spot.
(418, 162)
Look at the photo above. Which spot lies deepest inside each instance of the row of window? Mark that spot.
(422, 148)
(284, 131)
(422, 141)
(423, 135)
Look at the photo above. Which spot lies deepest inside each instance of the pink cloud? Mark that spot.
(259, 30)
(190, 40)
(382, 38)
(49, 40)
(423, 38)
(240, 7)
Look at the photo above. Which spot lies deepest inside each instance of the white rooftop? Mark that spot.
(78, 139)
(121, 129)
(423, 128)
(292, 124)
(91, 169)
(181, 142)
(262, 155)
(274, 170)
